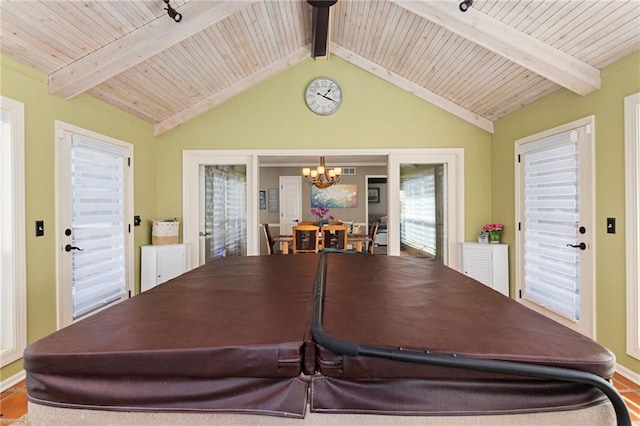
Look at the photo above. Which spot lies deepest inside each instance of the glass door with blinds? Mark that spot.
(223, 211)
(94, 199)
(422, 210)
(554, 217)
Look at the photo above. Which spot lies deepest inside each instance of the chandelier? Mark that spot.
(321, 177)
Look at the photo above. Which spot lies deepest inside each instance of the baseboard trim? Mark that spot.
(13, 380)
(628, 374)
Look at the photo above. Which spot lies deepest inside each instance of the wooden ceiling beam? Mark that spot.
(514, 45)
(320, 27)
(413, 88)
(228, 92)
(139, 45)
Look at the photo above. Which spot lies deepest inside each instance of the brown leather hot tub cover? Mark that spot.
(227, 336)
(417, 304)
(234, 336)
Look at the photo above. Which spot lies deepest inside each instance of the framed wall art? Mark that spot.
(373, 195)
(336, 196)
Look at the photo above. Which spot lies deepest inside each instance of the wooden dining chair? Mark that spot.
(268, 238)
(334, 236)
(373, 232)
(307, 222)
(305, 239)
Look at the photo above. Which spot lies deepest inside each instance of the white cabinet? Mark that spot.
(487, 263)
(160, 263)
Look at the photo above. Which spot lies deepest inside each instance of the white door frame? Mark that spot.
(191, 162)
(366, 191)
(454, 160)
(587, 219)
(63, 203)
(453, 157)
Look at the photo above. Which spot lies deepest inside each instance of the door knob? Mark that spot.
(581, 246)
(69, 247)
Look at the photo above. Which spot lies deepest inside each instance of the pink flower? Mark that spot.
(493, 227)
(320, 212)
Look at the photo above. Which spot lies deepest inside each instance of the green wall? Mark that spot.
(618, 80)
(273, 115)
(23, 84)
(374, 114)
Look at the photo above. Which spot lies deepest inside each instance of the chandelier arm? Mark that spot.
(323, 178)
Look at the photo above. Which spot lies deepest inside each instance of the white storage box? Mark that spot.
(165, 232)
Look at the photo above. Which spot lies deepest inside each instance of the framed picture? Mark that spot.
(373, 195)
(338, 196)
(273, 200)
(263, 200)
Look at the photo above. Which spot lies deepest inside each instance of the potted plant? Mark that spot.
(320, 212)
(495, 232)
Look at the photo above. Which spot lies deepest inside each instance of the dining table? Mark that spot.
(353, 239)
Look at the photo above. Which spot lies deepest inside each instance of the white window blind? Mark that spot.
(226, 211)
(98, 224)
(418, 211)
(551, 221)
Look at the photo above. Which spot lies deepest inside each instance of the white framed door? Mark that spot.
(290, 203)
(94, 209)
(193, 196)
(452, 161)
(554, 214)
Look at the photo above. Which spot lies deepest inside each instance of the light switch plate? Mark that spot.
(611, 225)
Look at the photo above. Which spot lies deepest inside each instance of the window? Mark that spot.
(13, 335)
(98, 223)
(551, 213)
(420, 201)
(225, 213)
(632, 158)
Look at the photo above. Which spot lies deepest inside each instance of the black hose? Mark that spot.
(451, 360)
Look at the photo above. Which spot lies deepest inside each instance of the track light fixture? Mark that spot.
(172, 12)
(465, 5)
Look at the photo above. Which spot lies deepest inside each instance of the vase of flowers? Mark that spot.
(495, 232)
(322, 215)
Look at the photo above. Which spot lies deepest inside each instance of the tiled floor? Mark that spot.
(630, 393)
(13, 403)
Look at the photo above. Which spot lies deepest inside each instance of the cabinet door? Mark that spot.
(171, 262)
(161, 263)
(476, 261)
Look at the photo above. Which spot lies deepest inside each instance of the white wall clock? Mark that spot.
(323, 96)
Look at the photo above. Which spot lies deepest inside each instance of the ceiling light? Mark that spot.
(465, 5)
(174, 14)
(321, 177)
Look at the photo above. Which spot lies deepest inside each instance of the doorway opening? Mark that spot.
(377, 210)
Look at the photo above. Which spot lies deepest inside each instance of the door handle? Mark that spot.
(69, 247)
(581, 246)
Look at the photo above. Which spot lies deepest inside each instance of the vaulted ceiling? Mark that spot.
(479, 65)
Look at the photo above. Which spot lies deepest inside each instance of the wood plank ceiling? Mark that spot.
(479, 65)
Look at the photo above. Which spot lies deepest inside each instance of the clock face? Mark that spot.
(323, 96)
